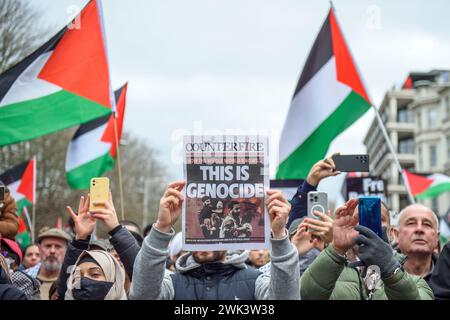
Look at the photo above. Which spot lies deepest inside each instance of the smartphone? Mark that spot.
(351, 163)
(317, 201)
(99, 191)
(369, 214)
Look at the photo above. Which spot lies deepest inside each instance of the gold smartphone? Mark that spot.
(99, 192)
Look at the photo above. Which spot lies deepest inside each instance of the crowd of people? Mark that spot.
(327, 257)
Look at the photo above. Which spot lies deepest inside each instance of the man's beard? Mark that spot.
(51, 264)
(216, 257)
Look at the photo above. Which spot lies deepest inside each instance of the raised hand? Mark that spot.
(279, 209)
(107, 214)
(373, 250)
(322, 169)
(322, 228)
(302, 240)
(170, 206)
(84, 222)
(344, 234)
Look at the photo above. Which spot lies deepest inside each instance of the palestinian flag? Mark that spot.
(63, 83)
(21, 182)
(93, 149)
(330, 97)
(23, 236)
(426, 187)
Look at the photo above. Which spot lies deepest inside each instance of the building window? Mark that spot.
(419, 121)
(432, 118)
(406, 146)
(448, 147)
(433, 156)
(447, 105)
(419, 154)
(404, 116)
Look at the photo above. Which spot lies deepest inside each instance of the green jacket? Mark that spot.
(329, 277)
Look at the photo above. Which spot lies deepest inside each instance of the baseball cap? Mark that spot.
(294, 225)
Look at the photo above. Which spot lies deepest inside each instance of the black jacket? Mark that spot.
(126, 247)
(7, 290)
(123, 242)
(440, 279)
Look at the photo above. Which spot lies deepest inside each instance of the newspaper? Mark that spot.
(226, 182)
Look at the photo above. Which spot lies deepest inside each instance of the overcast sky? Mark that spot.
(205, 67)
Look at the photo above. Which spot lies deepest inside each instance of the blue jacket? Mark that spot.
(299, 202)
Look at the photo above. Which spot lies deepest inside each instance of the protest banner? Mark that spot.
(355, 187)
(226, 182)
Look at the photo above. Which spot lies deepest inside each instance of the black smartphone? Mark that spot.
(351, 163)
(369, 214)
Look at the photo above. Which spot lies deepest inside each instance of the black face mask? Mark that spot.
(91, 289)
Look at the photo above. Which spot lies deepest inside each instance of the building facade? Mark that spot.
(417, 119)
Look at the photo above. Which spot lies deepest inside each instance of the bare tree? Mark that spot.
(20, 34)
(53, 193)
(20, 31)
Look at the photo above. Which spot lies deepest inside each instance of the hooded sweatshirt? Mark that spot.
(219, 280)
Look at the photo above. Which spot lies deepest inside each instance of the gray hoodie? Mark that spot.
(151, 280)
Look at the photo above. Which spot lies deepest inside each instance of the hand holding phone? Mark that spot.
(99, 192)
(317, 201)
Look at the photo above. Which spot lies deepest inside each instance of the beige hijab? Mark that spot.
(112, 270)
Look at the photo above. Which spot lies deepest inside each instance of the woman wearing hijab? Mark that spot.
(123, 242)
(97, 276)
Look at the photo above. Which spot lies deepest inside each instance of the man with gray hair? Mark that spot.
(52, 247)
(418, 237)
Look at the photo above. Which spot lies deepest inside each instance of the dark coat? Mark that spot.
(7, 290)
(440, 279)
(299, 202)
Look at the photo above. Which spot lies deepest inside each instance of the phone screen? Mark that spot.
(369, 213)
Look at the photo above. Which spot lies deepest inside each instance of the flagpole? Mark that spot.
(33, 232)
(394, 154)
(119, 167)
(113, 106)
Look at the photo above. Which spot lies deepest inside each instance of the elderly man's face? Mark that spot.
(52, 252)
(418, 232)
